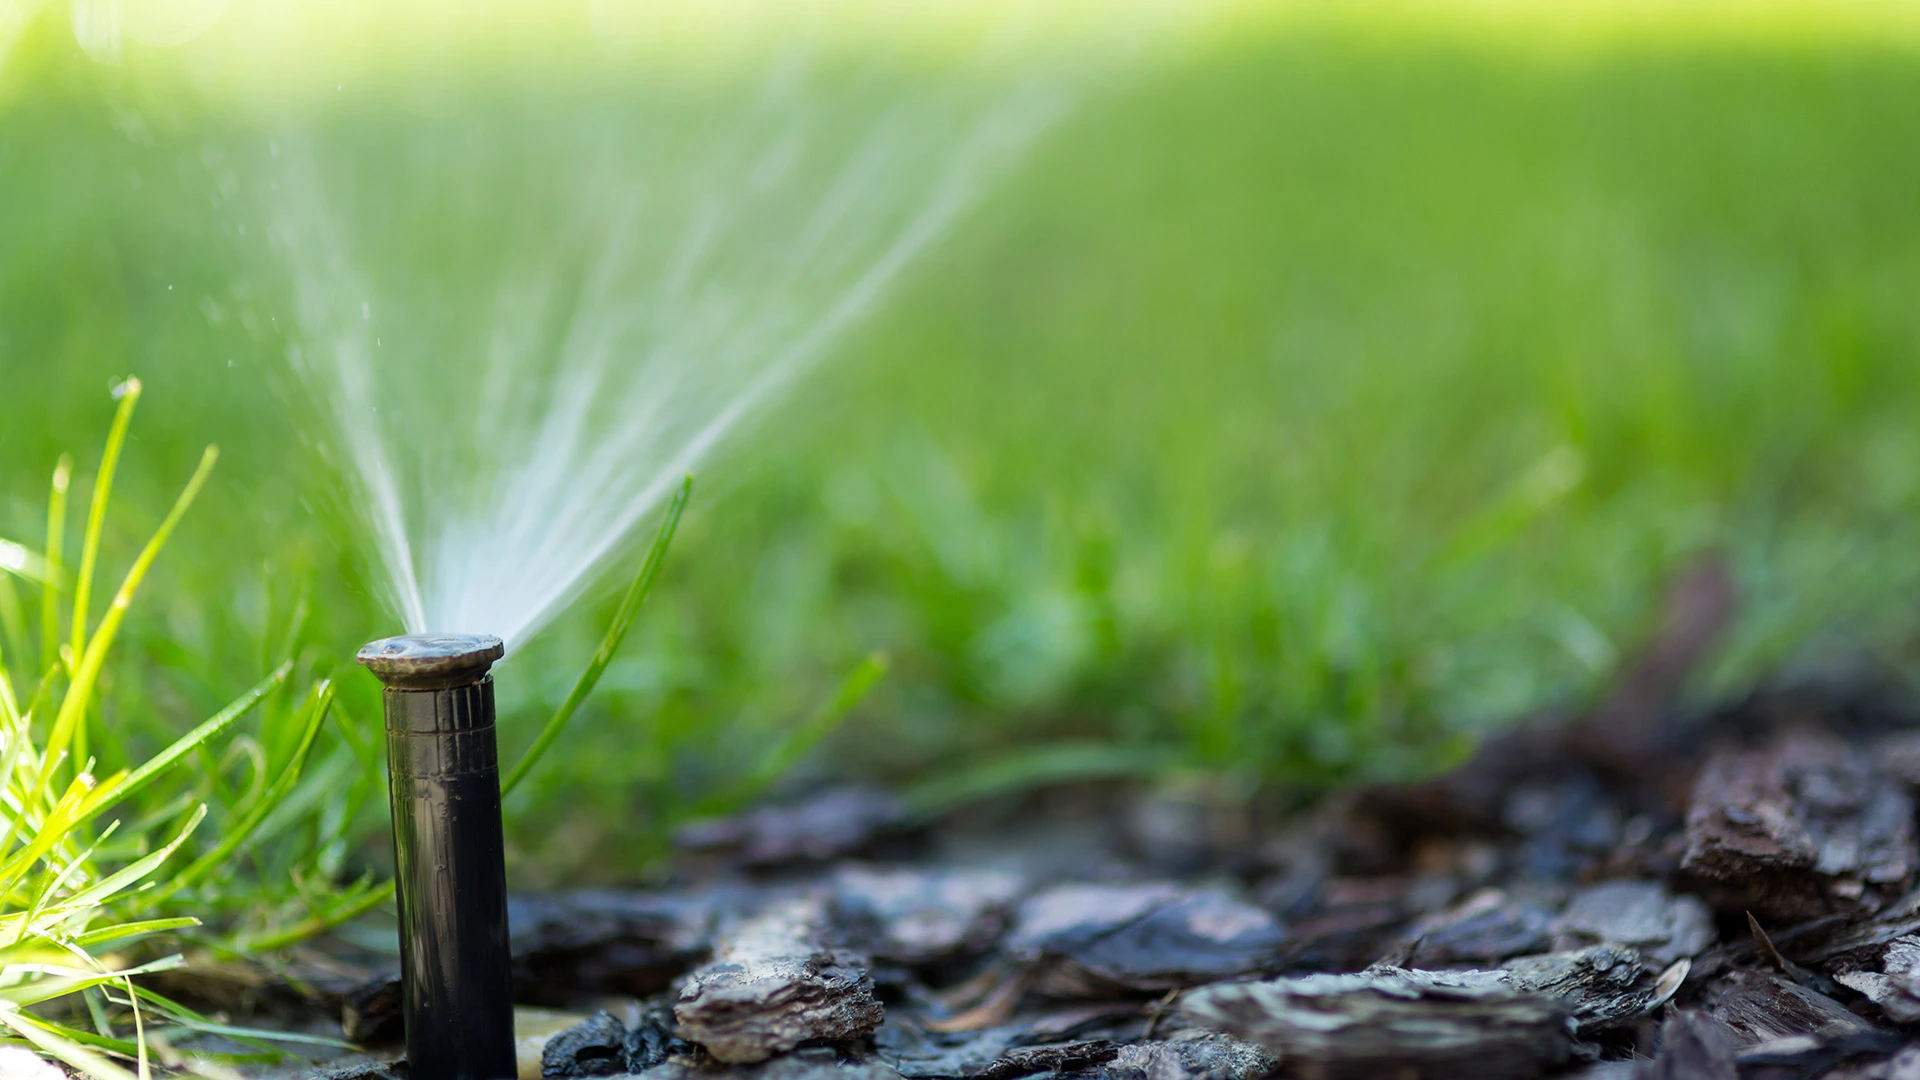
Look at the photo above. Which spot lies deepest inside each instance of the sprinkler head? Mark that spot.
(443, 776)
(431, 661)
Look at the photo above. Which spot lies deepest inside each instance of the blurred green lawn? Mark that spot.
(1303, 405)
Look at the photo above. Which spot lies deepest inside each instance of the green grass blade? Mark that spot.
(20, 562)
(118, 788)
(9, 702)
(1041, 766)
(14, 623)
(96, 1011)
(64, 981)
(66, 1050)
(262, 1035)
(139, 1031)
(123, 1047)
(61, 820)
(11, 762)
(187, 1019)
(316, 924)
(240, 832)
(17, 560)
(363, 749)
(42, 693)
(129, 395)
(616, 633)
(100, 935)
(74, 705)
(785, 753)
(103, 890)
(1543, 485)
(52, 884)
(797, 741)
(56, 562)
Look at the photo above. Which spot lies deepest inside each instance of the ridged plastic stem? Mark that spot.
(443, 775)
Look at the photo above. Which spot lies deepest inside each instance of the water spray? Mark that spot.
(443, 775)
(656, 288)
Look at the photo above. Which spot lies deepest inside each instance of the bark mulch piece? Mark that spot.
(1643, 914)
(1193, 1054)
(1390, 1022)
(1487, 927)
(1015, 1050)
(775, 984)
(395, 1070)
(812, 1063)
(1516, 1020)
(1062, 1057)
(1760, 1007)
(1806, 1057)
(1602, 986)
(837, 823)
(1893, 983)
(605, 1046)
(1693, 1046)
(597, 1047)
(610, 941)
(922, 1054)
(370, 1015)
(1099, 940)
(1801, 826)
(916, 916)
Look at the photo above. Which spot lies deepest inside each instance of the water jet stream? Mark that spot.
(523, 378)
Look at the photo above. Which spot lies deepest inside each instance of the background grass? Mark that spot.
(1308, 400)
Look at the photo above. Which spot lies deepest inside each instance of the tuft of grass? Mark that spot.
(616, 633)
(57, 894)
(84, 892)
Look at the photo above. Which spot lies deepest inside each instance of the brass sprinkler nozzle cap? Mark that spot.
(431, 661)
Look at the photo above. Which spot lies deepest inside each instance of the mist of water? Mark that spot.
(523, 331)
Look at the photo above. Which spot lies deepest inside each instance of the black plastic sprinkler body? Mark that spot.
(443, 774)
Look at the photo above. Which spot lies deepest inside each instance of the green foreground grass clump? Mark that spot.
(92, 871)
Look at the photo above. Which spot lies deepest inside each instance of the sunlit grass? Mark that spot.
(59, 886)
(88, 867)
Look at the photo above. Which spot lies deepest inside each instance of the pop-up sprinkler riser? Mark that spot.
(443, 775)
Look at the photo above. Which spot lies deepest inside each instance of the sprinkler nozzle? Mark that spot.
(431, 661)
(443, 775)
